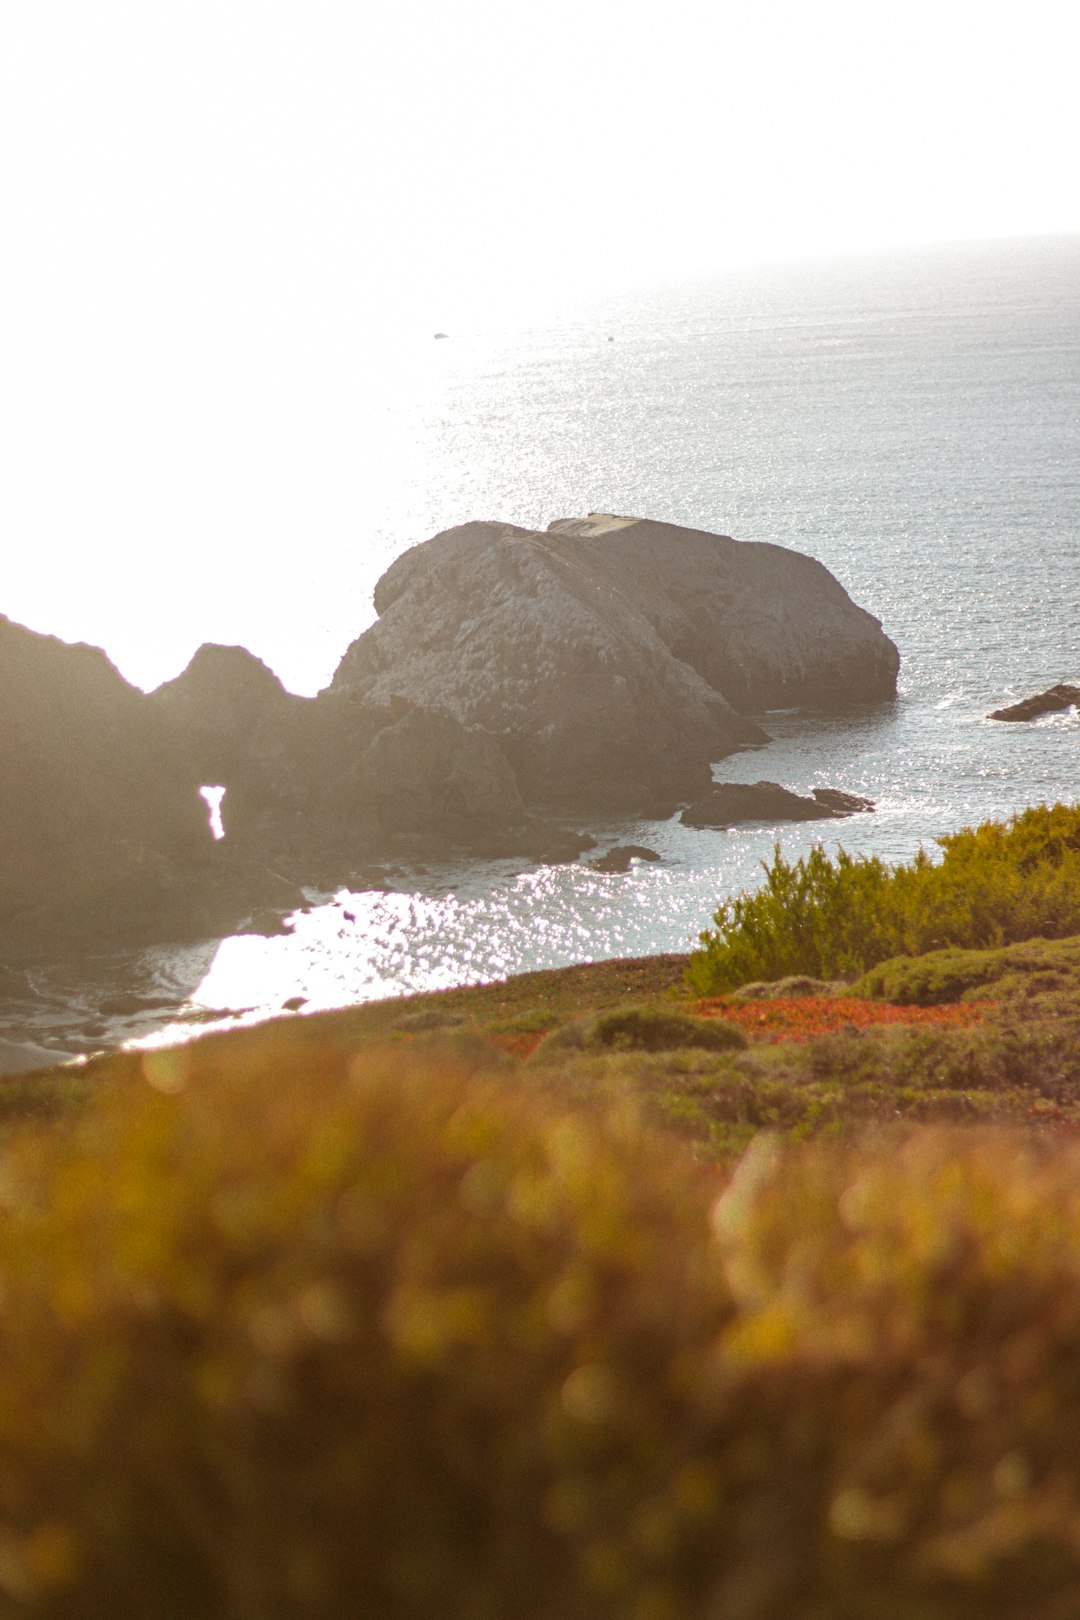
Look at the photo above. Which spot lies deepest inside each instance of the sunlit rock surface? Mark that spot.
(614, 659)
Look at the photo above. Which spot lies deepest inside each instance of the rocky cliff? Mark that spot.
(613, 659)
(605, 663)
(97, 813)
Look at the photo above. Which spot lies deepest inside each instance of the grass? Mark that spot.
(318, 1320)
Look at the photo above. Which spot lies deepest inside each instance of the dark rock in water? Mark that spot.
(294, 1003)
(621, 858)
(612, 659)
(731, 803)
(1053, 700)
(842, 804)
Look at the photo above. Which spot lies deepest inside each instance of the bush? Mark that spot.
(359, 1340)
(996, 883)
(642, 1029)
(1031, 968)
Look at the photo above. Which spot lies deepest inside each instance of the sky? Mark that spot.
(211, 211)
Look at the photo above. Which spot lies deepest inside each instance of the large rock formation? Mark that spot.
(613, 659)
(604, 663)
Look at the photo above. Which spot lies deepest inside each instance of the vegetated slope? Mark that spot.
(414, 1308)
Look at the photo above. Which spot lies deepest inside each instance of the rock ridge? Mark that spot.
(513, 676)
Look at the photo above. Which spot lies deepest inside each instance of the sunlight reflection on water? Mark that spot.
(930, 773)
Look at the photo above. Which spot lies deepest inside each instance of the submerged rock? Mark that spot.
(1053, 700)
(731, 803)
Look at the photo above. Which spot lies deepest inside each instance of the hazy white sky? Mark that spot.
(208, 208)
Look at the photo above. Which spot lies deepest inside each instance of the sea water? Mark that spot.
(911, 420)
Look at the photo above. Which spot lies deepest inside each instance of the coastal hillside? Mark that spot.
(582, 1293)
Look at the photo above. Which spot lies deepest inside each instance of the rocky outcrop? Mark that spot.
(729, 804)
(211, 710)
(321, 785)
(99, 821)
(769, 627)
(613, 659)
(603, 664)
(1052, 701)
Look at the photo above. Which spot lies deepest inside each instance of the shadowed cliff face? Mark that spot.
(98, 812)
(604, 664)
(329, 780)
(614, 659)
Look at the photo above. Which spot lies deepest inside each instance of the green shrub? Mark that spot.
(357, 1339)
(1034, 967)
(996, 883)
(642, 1029)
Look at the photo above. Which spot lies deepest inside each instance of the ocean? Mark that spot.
(912, 420)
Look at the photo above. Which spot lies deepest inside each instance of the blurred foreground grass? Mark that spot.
(536, 1300)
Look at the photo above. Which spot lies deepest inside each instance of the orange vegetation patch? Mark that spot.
(801, 1018)
(518, 1043)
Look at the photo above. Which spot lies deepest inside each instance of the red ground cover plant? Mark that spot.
(803, 1018)
(518, 1043)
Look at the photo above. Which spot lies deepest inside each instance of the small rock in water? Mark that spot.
(294, 1003)
(621, 858)
(1052, 701)
(731, 803)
